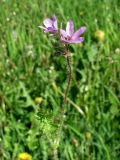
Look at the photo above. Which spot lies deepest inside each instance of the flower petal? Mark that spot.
(55, 22)
(65, 40)
(48, 22)
(78, 32)
(54, 18)
(78, 40)
(50, 29)
(63, 33)
(70, 28)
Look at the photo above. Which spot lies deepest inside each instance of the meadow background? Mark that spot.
(33, 81)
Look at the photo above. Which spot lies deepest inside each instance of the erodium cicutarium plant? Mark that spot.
(62, 40)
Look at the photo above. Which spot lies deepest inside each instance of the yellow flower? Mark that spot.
(100, 35)
(38, 100)
(25, 156)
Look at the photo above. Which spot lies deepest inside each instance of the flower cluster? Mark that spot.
(67, 36)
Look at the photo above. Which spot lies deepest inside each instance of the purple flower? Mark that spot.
(69, 36)
(50, 25)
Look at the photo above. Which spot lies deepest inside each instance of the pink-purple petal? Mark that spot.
(49, 29)
(63, 33)
(54, 18)
(65, 40)
(55, 24)
(78, 32)
(70, 28)
(78, 40)
(48, 22)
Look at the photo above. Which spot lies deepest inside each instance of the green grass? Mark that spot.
(29, 69)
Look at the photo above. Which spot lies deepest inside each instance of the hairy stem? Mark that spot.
(69, 78)
(64, 102)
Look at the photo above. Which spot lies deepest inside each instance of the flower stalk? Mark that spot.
(69, 75)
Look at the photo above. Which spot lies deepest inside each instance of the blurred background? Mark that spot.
(33, 82)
